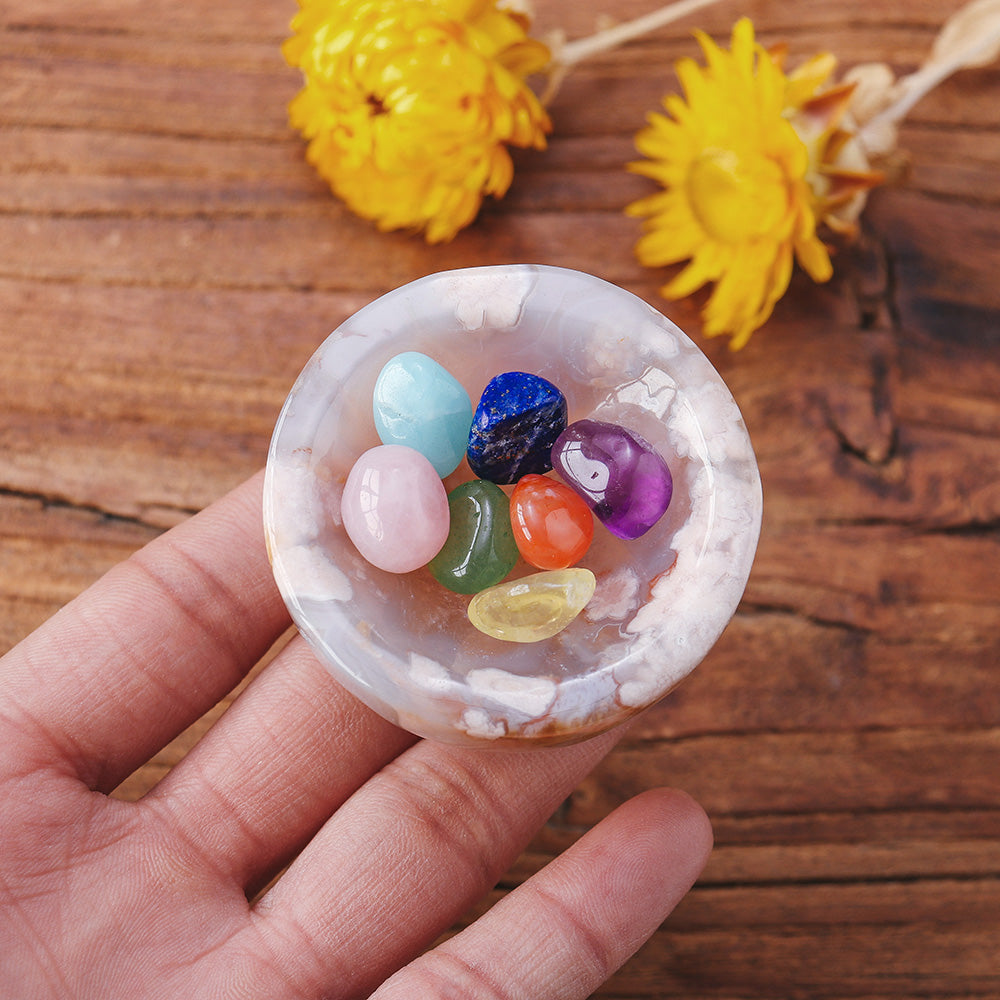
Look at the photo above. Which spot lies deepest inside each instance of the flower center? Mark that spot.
(734, 197)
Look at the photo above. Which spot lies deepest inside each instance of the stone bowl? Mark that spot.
(403, 643)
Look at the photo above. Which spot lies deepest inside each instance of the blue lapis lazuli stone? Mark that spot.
(517, 421)
(420, 404)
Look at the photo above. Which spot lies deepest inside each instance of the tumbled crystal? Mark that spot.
(418, 403)
(518, 419)
(533, 608)
(552, 524)
(623, 480)
(395, 508)
(480, 550)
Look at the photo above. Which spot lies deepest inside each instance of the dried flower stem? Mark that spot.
(969, 38)
(568, 54)
(916, 86)
(618, 34)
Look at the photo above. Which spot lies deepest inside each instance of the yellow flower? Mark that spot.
(409, 105)
(751, 161)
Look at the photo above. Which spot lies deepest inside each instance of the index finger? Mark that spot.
(140, 655)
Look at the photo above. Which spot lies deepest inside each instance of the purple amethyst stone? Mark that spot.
(624, 481)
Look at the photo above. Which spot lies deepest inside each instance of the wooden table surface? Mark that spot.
(168, 262)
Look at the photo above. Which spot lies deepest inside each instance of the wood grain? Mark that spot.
(168, 263)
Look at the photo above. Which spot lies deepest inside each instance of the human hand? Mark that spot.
(393, 838)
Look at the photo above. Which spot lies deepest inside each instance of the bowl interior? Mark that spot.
(403, 643)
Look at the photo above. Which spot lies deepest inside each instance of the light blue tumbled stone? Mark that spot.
(419, 404)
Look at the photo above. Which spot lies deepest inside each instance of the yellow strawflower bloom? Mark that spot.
(409, 105)
(752, 161)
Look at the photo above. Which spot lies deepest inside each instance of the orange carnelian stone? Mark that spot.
(552, 524)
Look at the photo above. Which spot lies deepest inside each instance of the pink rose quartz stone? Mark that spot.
(395, 508)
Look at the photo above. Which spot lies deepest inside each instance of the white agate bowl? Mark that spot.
(403, 643)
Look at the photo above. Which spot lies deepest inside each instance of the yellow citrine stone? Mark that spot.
(533, 608)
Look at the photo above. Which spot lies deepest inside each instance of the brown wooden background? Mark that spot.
(168, 263)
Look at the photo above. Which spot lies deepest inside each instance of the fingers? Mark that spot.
(407, 854)
(262, 781)
(568, 928)
(152, 645)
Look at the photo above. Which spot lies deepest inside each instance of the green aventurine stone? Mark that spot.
(480, 550)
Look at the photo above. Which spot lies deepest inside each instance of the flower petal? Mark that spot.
(750, 161)
(409, 106)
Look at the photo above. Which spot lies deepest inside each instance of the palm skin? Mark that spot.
(383, 841)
